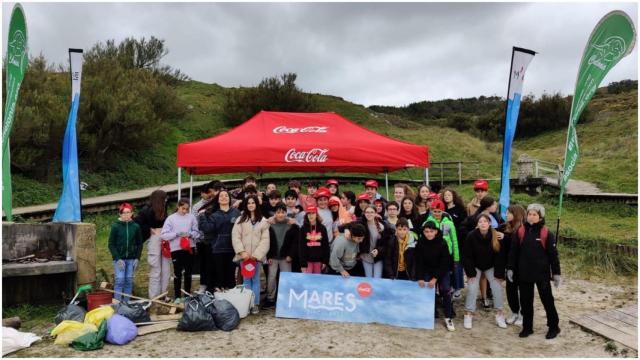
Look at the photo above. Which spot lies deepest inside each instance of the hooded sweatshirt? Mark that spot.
(448, 229)
(125, 240)
(343, 254)
(432, 258)
(176, 224)
(529, 259)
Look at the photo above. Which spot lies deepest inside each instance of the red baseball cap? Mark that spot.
(481, 184)
(437, 204)
(124, 206)
(248, 268)
(364, 196)
(371, 183)
(322, 192)
(333, 201)
(433, 196)
(332, 182)
(312, 209)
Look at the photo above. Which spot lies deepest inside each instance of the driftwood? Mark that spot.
(149, 329)
(166, 317)
(180, 306)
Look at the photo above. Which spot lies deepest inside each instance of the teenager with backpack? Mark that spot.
(534, 257)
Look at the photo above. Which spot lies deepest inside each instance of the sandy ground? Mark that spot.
(264, 335)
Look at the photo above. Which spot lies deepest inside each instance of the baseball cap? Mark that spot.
(333, 201)
(437, 204)
(481, 184)
(248, 268)
(371, 183)
(312, 209)
(322, 192)
(364, 196)
(332, 182)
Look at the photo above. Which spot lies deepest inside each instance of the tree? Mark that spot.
(272, 94)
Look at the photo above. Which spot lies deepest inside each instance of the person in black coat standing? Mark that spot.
(432, 266)
(534, 256)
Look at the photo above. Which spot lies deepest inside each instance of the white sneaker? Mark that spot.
(512, 318)
(449, 323)
(518, 321)
(468, 321)
(255, 309)
(457, 294)
(500, 321)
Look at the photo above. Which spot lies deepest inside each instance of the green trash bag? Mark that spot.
(91, 341)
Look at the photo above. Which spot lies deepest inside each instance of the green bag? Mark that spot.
(91, 341)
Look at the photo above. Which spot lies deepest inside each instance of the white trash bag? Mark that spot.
(14, 340)
(240, 297)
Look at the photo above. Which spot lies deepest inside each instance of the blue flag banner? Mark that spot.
(520, 60)
(355, 299)
(68, 209)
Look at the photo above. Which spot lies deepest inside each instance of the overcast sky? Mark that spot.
(367, 53)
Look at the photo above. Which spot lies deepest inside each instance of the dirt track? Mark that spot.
(266, 336)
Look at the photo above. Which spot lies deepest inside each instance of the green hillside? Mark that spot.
(608, 144)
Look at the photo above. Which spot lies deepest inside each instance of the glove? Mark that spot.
(510, 275)
(135, 264)
(120, 264)
(556, 281)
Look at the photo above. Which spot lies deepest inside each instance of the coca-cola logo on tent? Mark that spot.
(314, 155)
(309, 129)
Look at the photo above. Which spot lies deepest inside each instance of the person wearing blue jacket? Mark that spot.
(216, 228)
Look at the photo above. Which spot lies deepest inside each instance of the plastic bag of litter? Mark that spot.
(93, 340)
(133, 312)
(69, 330)
(120, 330)
(196, 316)
(14, 340)
(226, 315)
(70, 312)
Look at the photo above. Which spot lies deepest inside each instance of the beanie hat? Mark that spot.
(537, 208)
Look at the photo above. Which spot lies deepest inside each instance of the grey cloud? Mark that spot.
(368, 53)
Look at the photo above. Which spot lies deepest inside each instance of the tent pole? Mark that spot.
(191, 190)
(426, 176)
(386, 182)
(179, 182)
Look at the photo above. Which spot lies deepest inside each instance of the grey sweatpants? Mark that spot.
(159, 268)
(473, 286)
(284, 266)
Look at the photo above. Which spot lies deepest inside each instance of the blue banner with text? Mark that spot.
(355, 299)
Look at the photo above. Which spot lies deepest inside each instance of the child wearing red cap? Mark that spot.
(371, 188)
(125, 245)
(362, 202)
(333, 186)
(481, 188)
(314, 243)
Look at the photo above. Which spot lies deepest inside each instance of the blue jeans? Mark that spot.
(124, 279)
(253, 283)
(457, 277)
(444, 286)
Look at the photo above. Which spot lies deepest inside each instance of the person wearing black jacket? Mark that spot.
(373, 247)
(481, 255)
(283, 238)
(313, 244)
(409, 211)
(151, 220)
(216, 228)
(432, 264)
(399, 263)
(515, 218)
(536, 262)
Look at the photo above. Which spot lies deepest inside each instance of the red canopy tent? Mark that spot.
(289, 142)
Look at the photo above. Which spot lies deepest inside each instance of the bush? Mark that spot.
(272, 94)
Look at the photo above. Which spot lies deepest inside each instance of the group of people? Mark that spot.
(428, 237)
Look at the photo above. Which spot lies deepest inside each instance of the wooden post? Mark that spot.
(459, 173)
(441, 174)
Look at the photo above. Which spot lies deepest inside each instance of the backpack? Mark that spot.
(544, 234)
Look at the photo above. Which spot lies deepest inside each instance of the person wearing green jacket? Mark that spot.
(125, 245)
(448, 228)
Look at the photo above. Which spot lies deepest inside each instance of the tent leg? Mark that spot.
(426, 176)
(179, 183)
(191, 190)
(386, 182)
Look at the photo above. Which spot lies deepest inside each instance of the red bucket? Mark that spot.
(97, 298)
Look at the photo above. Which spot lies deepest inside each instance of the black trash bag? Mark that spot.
(133, 312)
(226, 315)
(196, 316)
(70, 312)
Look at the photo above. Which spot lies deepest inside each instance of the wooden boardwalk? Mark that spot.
(620, 325)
